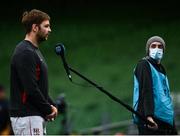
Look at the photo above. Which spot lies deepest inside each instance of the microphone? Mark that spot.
(60, 49)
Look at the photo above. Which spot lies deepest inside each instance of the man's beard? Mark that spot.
(41, 36)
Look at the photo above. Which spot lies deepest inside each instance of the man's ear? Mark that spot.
(35, 28)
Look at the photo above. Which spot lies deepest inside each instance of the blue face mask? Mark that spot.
(156, 53)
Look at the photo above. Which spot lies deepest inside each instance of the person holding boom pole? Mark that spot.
(152, 93)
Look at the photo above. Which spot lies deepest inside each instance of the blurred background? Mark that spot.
(104, 40)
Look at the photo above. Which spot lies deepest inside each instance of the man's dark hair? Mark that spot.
(33, 17)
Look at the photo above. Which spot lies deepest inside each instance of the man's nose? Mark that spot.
(49, 29)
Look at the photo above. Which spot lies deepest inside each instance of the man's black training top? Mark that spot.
(29, 82)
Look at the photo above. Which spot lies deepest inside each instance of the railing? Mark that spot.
(105, 129)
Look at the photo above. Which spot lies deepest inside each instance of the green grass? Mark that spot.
(104, 51)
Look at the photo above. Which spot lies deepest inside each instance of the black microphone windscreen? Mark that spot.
(59, 49)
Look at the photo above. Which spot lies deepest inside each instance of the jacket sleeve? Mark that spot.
(144, 76)
(26, 67)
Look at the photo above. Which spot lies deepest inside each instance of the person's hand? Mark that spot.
(53, 114)
(155, 126)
